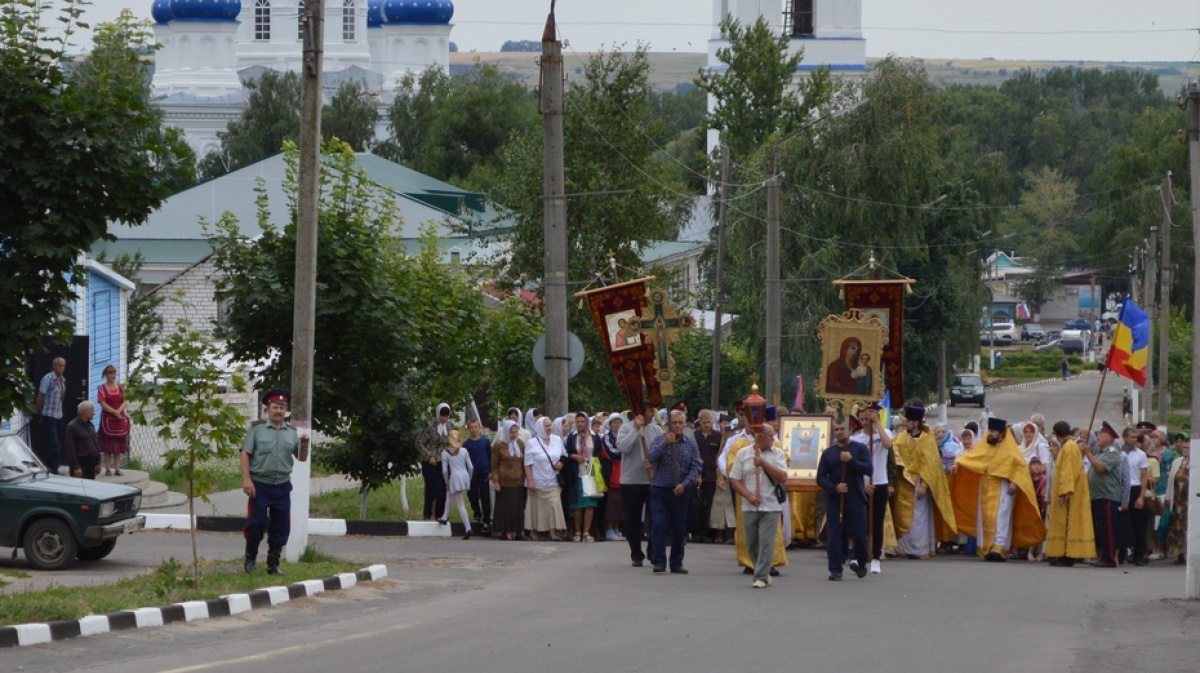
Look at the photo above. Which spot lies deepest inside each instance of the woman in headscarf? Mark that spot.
(610, 467)
(1036, 450)
(544, 456)
(508, 480)
(1176, 503)
(582, 446)
(430, 443)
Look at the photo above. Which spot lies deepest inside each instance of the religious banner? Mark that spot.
(883, 299)
(851, 348)
(659, 325)
(616, 310)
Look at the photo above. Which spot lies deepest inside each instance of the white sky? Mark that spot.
(1100, 30)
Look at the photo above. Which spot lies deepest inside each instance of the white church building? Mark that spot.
(210, 46)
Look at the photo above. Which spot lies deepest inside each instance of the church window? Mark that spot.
(262, 19)
(803, 23)
(300, 21)
(348, 20)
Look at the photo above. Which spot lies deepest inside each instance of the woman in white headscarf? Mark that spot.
(508, 480)
(544, 456)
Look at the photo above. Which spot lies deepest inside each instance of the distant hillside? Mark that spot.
(672, 68)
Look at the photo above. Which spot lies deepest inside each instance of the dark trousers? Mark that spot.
(87, 466)
(880, 503)
(853, 526)
(670, 524)
(51, 456)
(270, 512)
(1105, 514)
(435, 490)
(480, 496)
(635, 497)
(702, 509)
(1137, 519)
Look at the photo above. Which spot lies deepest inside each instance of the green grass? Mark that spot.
(17, 574)
(170, 583)
(227, 470)
(383, 504)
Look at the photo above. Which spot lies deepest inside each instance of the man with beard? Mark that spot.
(1070, 536)
(842, 473)
(923, 513)
(993, 494)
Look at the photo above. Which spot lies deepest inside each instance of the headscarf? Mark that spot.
(974, 439)
(557, 427)
(514, 449)
(442, 428)
(539, 430)
(1037, 448)
(529, 424)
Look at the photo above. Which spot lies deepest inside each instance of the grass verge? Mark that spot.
(170, 583)
(383, 504)
(17, 574)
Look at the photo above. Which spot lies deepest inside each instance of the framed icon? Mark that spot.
(804, 437)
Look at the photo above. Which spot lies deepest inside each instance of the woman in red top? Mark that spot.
(114, 422)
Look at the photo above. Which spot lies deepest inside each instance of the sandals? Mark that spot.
(578, 537)
(108, 473)
(587, 537)
(118, 473)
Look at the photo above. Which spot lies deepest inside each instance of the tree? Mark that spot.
(754, 95)
(452, 127)
(193, 419)
(609, 133)
(272, 116)
(73, 158)
(351, 116)
(521, 45)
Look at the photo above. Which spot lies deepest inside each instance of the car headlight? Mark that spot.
(137, 502)
(107, 509)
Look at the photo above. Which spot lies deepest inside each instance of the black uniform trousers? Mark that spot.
(880, 503)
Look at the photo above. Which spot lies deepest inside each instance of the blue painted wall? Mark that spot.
(104, 332)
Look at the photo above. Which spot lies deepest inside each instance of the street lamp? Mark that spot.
(774, 308)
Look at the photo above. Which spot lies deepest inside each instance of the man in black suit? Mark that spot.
(841, 473)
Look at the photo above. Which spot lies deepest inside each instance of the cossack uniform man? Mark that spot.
(267, 456)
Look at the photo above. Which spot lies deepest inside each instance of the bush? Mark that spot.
(1030, 363)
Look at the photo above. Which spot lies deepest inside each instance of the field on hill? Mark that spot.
(671, 69)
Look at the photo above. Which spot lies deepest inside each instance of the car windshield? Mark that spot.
(970, 381)
(1034, 327)
(16, 460)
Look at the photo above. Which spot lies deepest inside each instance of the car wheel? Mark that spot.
(50, 544)
(98, 552)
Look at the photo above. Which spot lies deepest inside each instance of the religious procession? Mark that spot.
(860, 480)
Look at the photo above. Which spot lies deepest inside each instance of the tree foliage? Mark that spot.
(77, 152)
(351, 116)
(193, 419)
(609, 133)
(452, 127)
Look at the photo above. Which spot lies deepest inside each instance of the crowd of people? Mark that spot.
(660, 479)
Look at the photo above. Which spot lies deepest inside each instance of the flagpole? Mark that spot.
(1096, 405)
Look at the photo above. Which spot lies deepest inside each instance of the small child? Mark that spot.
(1038, 472)
(457, 470)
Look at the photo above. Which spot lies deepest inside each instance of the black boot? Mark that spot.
(251, 557)
(273, 553)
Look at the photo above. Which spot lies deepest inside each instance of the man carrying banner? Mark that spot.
(993, 495)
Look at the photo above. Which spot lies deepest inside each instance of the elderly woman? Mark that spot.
(544, 456)
(114, 421)
(508, 480)
(610, 467)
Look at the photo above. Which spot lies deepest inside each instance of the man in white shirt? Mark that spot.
(751, 476)
(881, 486)
(1136, 476)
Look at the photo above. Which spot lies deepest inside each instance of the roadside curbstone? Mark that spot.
(21, 635)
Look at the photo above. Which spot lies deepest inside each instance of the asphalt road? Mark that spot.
(487, 605)
(1069, 400)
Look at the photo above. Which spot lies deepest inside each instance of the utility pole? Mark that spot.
(774, 308)
(305, 301)
(1164, 308)
(942, 380)
(1148, 287)
(555, 213)
(719, 299)
(1134, 296)
(1192, 589)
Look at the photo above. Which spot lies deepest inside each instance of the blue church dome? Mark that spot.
(417, 11)
(374, 13)
(205, 10)
(161, 11)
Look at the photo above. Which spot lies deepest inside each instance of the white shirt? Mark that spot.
(541, 455)
(879, 476)
(1135, 460)
(744, 471)
(723, 459)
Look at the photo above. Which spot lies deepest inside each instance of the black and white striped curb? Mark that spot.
(322, 527)
(233, 604)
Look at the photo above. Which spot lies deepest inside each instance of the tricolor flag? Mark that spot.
(1130, 344)
(1022, 312)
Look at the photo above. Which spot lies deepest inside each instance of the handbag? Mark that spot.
(113, 425)
(598, 473)
(1151, 506)
(780, 490)
(588, 484)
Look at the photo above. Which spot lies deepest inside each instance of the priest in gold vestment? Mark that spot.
(1070, 536)
(993, 494)
(922, 511)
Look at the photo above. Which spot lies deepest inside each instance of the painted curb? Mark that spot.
(22, 635)
(322, 527)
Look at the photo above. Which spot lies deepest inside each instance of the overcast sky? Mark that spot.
(1068, 30)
